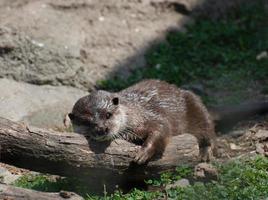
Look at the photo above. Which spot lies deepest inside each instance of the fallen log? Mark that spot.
(73, 155)
(8, 192)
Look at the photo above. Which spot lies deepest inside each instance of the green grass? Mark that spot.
(240, 179)
(170, 177)
(243, 180)
(219, 54)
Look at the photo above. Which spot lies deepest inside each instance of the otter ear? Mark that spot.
(115, 101)
(71, 116)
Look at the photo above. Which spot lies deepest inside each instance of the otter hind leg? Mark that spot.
(206, 149)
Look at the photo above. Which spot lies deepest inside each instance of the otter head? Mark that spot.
(98, 115)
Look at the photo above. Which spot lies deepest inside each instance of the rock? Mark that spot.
(180, 183)
(234, 146)
(262, 55)
(261, 135)
(236, 133)
(262, 148)
(24, 58)
(7, 177)
(205, 171)
(42, 106)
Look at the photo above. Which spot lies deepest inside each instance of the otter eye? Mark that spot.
(108, 115)
(115, 101)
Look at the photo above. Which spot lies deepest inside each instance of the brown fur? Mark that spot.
(151, 111)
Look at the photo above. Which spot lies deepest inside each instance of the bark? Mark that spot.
(71, 154)
(8, 192)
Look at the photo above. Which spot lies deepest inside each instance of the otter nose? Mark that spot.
(102, 130)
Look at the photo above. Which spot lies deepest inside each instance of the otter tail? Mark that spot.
(226, 117)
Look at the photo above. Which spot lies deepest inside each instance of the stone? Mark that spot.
(179, 183)
(205, 171)
(233, 146)
(262, 148)
(262, 55)
(7, 177)
(237, 133)
(261, 135)
(24, 58)
(41, 106)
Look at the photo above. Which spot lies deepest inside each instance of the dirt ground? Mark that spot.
(248, 138)
(78, 42)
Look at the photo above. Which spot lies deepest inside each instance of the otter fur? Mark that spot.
(150, 111)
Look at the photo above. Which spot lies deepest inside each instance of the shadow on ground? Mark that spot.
(217, 56)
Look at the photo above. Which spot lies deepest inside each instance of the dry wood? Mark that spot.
(8, 192)
(71, 154)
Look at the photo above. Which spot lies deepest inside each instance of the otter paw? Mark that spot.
(206, 154)
(142, 156)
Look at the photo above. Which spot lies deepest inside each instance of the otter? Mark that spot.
(150, 111)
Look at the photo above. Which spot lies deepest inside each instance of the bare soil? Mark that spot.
(78, 42)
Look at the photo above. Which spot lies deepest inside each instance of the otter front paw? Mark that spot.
(143, 156)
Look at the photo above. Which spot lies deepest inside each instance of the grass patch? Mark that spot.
(247, 179)
(171, 177)
(241, 179)
(219, 54)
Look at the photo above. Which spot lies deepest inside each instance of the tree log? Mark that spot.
(8, 192)
(71, 154)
